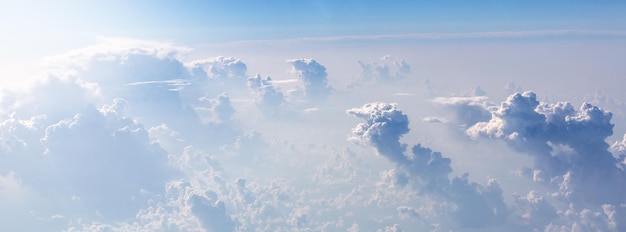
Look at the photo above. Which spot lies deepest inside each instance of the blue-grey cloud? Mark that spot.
(569, 149)
(384, 126)
(477, 205)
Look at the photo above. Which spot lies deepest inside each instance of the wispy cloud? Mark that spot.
(174, 82)
(444, 36)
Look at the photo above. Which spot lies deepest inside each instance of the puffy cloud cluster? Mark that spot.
(79, 140)
(101, 164)
(313, 76)
(475, 205)
(131, 138)
(184, 206)
(213, 76)
(570, 154)
(96, 164)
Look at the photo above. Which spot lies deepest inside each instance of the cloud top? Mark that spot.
(313, 76)
(384, 126)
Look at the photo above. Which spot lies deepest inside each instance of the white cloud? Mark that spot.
(388, 68)
(476, 205)
(109, 162)
(569, 148)
(221, 67)
(313, 76)
(128, 135)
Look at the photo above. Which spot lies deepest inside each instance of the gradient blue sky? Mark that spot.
(34, 29)
(218, 21)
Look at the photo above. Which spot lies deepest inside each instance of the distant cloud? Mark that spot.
(221, 67)
(173, 83)
(388, 68)
(313, 76)
(435, 120)
(221, 107)
(404, 94)
(466, 110)
(444, 36)
(268, 97)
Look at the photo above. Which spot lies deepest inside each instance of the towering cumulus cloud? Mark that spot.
(475, 205)
(313, 76)
(569, 149)
(384, 126)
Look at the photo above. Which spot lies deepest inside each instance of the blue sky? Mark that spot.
(312, 116)
(218, 21)
(41, 28)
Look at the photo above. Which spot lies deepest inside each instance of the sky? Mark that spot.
(312, 116)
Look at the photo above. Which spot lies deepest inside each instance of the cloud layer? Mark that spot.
(129, 135)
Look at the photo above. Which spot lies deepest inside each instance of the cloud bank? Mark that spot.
(129, 135)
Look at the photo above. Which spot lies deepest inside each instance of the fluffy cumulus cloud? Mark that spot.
(79, 138)
(570, 155)
(125, 136)
(474, 205)
(100, 166)
(313, 76)
(129, 135)
(384, 126)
